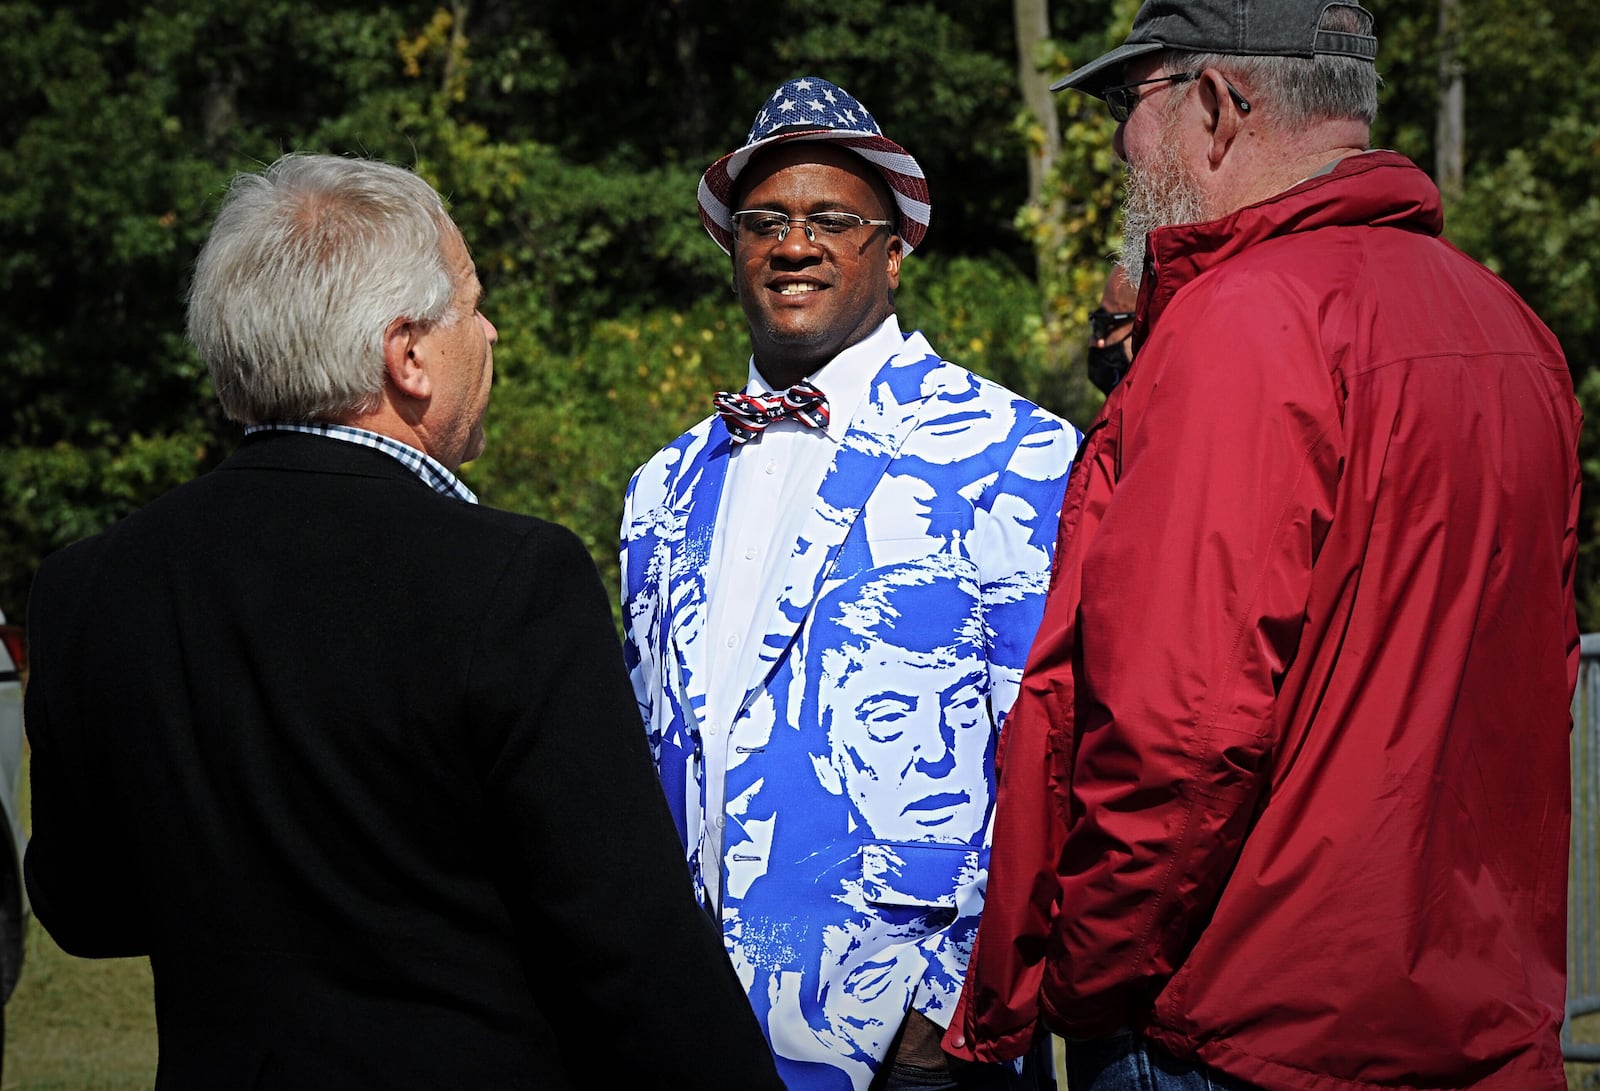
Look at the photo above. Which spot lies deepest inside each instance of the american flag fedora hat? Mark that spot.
(811, 108)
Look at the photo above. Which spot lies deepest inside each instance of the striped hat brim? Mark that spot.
(899, 169)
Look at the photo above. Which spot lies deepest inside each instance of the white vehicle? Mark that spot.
(13, 897)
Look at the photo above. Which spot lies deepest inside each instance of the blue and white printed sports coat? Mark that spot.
(860, 779)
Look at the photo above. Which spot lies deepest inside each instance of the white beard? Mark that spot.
(1161, 194)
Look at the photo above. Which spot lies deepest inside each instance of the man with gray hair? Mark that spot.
(353, 760)
(1290, 810)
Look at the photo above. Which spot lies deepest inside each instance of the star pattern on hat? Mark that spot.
(813, 103)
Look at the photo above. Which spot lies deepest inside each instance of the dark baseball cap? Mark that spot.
(1246, 28)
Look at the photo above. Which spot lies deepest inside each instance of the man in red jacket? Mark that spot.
(1290, 809)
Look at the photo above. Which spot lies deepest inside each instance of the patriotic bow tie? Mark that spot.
(747, 415)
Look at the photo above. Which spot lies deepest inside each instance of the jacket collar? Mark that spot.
(307, 453)
(1372, 189)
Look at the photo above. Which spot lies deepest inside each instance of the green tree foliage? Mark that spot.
(566, 430)
(569, 139)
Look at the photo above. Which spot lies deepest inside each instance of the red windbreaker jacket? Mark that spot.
(1286, 788)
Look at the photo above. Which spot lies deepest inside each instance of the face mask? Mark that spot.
(1107, 365)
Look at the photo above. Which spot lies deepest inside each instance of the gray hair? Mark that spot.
(307, 264)
(1301, 90)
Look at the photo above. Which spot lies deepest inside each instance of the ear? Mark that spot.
(1223, 117)
(894, 254)
(402, 358)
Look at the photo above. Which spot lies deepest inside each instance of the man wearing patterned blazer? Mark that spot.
(830, 586)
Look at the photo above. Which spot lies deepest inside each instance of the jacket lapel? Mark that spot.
(697, 494)
(888, 414)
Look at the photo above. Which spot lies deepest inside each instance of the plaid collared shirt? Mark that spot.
(431, 472)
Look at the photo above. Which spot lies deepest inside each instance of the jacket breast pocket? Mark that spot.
(892, 549)
(916, 874)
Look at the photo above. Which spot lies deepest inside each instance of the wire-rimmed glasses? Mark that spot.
(764, 223)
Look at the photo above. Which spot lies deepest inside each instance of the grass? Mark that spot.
(78, 1024)
(1584, 1077)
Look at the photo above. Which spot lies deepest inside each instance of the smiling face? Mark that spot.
(806, 301)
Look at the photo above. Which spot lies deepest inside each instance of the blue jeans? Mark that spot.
(1128, 1062)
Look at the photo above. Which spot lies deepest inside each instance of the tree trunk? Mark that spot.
(1033, 28)
(451, 73)
(219, 111)
(1450, 125)
(1032, 19)
(692, 121)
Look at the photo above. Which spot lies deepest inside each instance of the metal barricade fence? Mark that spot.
(1583, 898)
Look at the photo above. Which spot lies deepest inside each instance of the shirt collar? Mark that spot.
(429, 470)
(846, 377)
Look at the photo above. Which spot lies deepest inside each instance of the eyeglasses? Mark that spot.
(763, 223)
(1121, 99)
(1102, 322)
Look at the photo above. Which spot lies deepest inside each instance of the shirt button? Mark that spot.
(721, 822)
(961, 1043)
(750, 554)
(772, 468)
(732, 640)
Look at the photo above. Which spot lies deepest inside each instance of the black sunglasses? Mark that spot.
(1102, 322)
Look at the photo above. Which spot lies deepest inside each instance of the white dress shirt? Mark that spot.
(770, 489)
